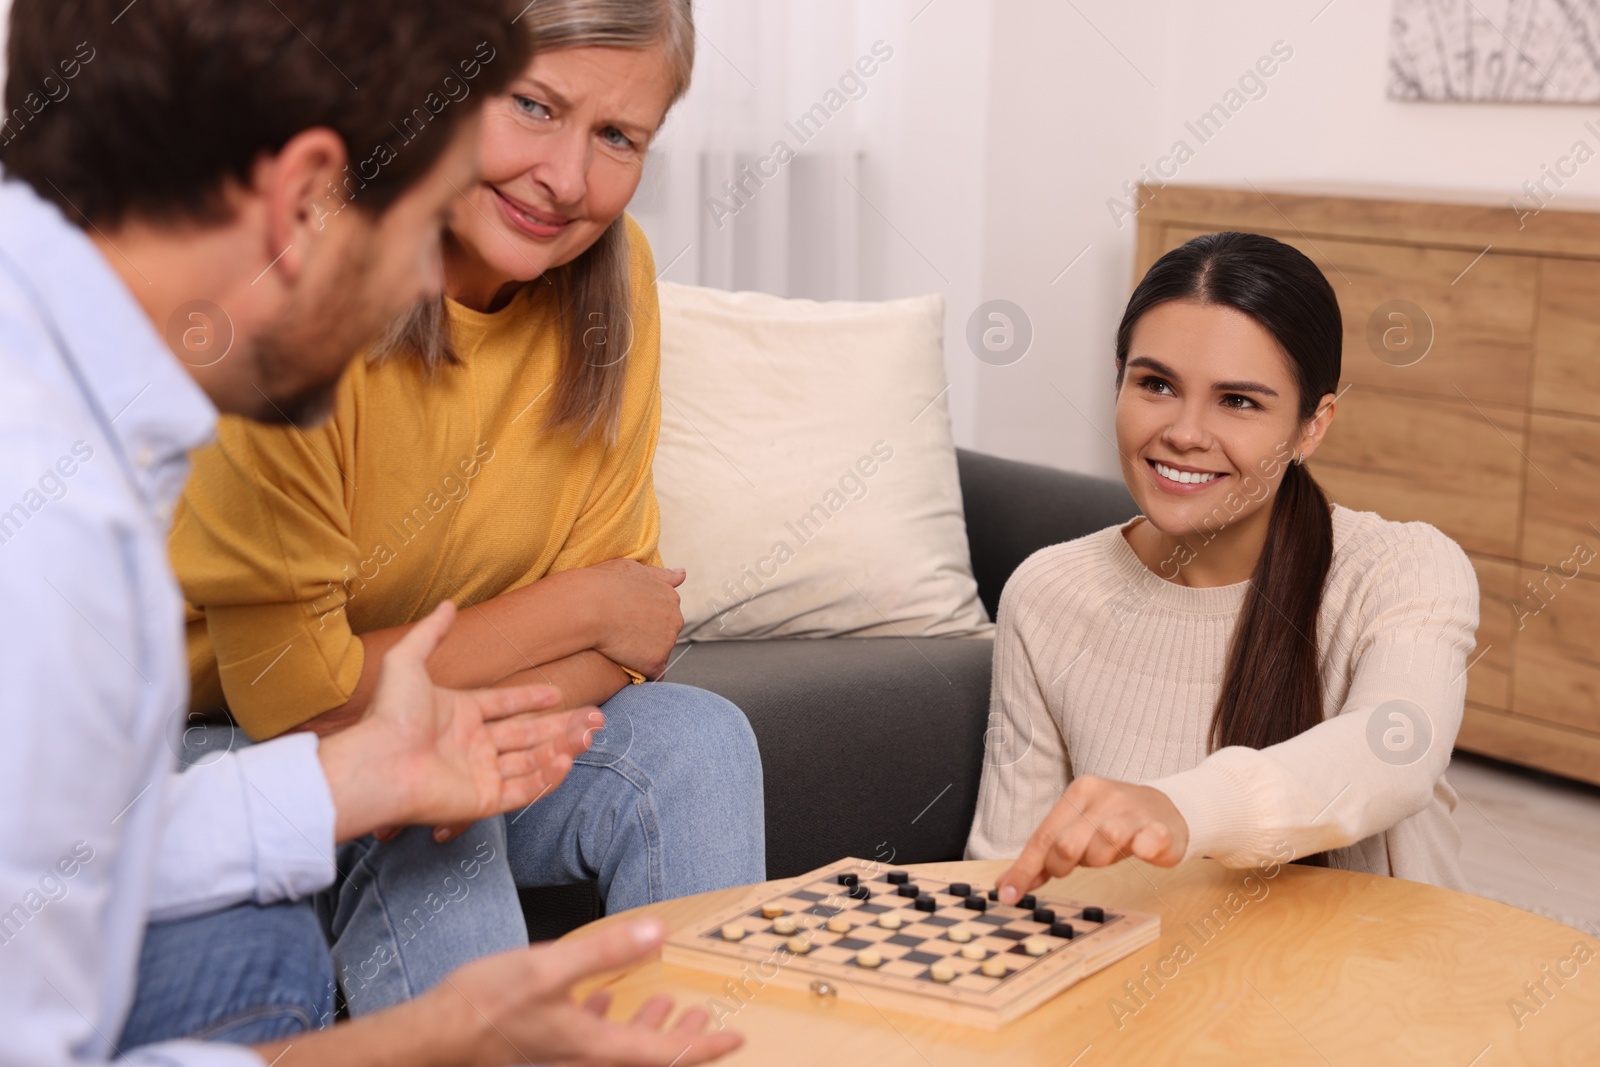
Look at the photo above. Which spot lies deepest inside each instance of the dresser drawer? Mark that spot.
(1449, 463)
(1556, 666)
(1474, 337)
(1566, 366)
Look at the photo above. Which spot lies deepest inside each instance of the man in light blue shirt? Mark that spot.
(175, 163)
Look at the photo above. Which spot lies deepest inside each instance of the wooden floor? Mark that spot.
(1529, 839)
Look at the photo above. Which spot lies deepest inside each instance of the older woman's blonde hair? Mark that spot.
(594, 292)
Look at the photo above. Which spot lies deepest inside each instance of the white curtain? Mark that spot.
(757, 181)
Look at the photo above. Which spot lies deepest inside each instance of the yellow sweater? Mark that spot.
(423, 486)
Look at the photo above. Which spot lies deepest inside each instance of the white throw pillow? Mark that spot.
(806, 470)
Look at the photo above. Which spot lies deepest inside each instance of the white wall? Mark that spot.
(926, 175)
(1070, 120)
(1327, 118)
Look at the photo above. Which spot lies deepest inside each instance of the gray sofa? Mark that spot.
(873, 747)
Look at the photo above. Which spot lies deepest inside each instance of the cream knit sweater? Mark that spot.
(1104, 668)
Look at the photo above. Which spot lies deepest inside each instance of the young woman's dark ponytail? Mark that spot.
(1272, 690)
(1273, 687)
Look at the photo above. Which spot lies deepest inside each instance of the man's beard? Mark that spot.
(305, 406)
(323, 331)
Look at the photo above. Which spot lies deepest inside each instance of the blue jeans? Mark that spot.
(666, 802)
(405, 913)
(243, 976)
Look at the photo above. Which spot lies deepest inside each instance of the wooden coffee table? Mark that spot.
(1309, 966)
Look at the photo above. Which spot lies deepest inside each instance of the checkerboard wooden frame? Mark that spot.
(903, 982)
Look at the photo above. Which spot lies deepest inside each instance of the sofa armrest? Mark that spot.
(1014, 509)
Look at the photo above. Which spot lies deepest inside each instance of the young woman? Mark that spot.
(495, 452)
(1242, 672)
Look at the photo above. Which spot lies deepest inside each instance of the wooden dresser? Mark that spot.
(1472, 401)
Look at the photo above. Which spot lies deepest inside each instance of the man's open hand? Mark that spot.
(518, 1008)
(427, 755)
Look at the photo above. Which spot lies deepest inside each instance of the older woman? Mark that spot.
(495, 451)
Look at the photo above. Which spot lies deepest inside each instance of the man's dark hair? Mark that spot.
(149, 109)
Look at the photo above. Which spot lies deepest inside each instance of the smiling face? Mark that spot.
(1208, 419)
(563, 152)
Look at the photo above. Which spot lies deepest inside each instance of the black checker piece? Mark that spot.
(1013, 935)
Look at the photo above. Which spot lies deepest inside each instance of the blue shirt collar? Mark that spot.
(152, 410)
